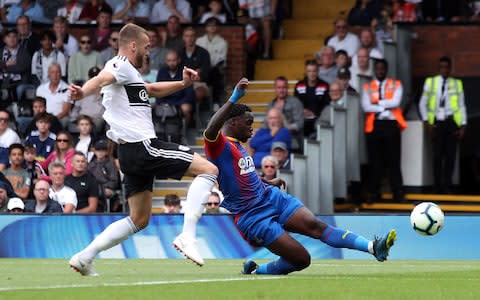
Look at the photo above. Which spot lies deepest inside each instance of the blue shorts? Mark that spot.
(263, 224)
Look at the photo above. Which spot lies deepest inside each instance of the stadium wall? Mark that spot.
(60, 236)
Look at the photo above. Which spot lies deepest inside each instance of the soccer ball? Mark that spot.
(427, 218)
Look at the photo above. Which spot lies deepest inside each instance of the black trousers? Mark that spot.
(384, 150)
(444, 153)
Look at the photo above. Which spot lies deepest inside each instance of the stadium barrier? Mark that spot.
(60, 236)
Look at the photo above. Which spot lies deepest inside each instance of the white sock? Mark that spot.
(114, 234)
(370, 247)
(197, 197)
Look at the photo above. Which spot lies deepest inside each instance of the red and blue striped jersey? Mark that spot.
(238, 179)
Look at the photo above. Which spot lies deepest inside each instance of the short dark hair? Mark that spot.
(281, 78)
(310, 62)
(44, 116)
(47, 34)
(380, 61)
(341, 52)
(238, 109)
(30, 148)
(171, 199)
(40, 99)
(445, 59)
(15, 146)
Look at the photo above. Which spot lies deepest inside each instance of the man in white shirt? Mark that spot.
(163, 9)
(143, 157)
(343, 39)
(64, 195)
(217, 47)
(55, 92)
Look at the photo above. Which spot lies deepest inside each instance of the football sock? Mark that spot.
(114, 234)
(276, 267)
(340, 238)
(197, 197)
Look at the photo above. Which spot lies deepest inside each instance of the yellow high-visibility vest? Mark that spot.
(454, 89)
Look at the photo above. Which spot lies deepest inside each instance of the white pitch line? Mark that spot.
(138, 283)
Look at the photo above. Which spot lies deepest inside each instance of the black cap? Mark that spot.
(101, 145)
(344, 72)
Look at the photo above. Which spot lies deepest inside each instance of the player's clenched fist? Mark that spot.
(75, 92)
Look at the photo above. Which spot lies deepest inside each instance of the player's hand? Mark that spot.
(189, 76)
(239, 90)
(75, 92)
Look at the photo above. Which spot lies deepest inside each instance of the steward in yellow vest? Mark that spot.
(442, 108)
(384, 121)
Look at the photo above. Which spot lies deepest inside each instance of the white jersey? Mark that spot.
(127, 109)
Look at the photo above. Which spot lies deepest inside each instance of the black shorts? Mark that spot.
(141, 162)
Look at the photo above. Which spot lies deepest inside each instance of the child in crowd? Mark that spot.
(85, 137)
(342, 59)
(42, 139)
(32, 166)
(16, 174)
(215, 11)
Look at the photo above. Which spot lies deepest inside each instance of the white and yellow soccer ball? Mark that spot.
(427, 218)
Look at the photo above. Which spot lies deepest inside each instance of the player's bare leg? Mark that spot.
(293, 257)
(206, 176)
(140, 210)
(305, 222)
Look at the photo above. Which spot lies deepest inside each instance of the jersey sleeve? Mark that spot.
(119, 68)
(213, 148)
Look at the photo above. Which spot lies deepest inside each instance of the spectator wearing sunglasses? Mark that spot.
(82, 61)
(213, 203)
(269, 167)
(111, 51)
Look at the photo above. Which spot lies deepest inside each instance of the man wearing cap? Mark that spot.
(280, 152)
(42, 203)
(15, 205)
(313, 93)
(344, 76)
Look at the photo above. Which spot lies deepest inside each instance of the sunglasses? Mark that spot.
(42, 190)
(62, 141)
(213, 203)
(85, 42)
(3, 119)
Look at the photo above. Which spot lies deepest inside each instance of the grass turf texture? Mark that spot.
(221, 279)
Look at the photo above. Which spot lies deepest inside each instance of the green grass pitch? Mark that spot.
(221, 279)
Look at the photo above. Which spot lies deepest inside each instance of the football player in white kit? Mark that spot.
(142, 156)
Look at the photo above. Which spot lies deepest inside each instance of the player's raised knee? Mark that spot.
(302, 261)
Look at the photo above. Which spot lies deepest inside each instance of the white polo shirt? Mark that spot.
(64, 196)
(56, 99)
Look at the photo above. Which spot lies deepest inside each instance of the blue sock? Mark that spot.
(340, 238)
(276, 267)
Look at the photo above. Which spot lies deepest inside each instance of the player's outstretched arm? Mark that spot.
(219, 118)
(92, 86)
(165, 88)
